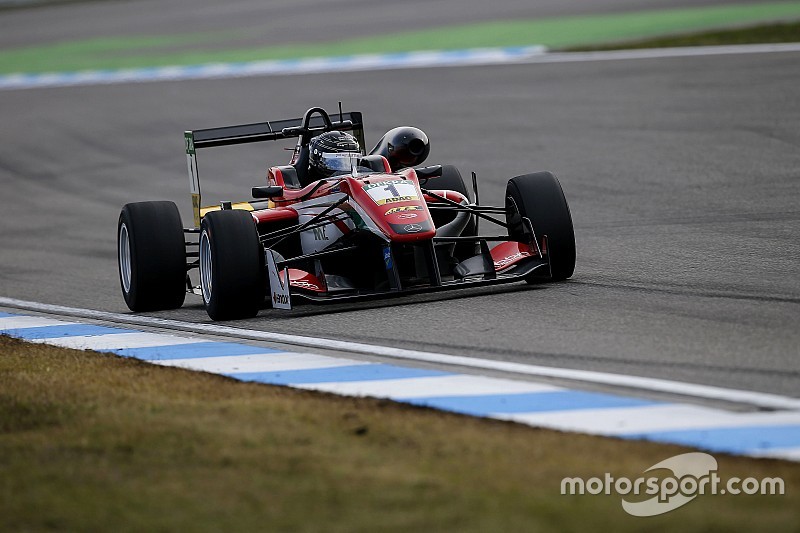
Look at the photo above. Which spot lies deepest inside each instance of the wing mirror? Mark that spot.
(269, 191)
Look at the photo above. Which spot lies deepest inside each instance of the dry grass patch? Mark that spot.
(97, 442)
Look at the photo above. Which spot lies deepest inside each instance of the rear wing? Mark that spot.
(313, 123)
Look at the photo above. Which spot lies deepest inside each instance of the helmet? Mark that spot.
(333, 151)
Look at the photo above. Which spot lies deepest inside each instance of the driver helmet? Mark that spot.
(331, 152)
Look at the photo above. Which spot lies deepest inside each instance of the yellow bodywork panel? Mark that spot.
(245, 206)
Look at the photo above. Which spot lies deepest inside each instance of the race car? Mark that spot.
(338, 223)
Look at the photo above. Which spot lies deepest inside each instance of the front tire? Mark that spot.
(232, 276)
(151, 254)
(539, 197)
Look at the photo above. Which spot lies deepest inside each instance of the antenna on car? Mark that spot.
(341, 116)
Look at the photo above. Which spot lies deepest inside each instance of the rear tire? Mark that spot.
(540, 198)
(151, 254)
(451, 180)
(232, 274)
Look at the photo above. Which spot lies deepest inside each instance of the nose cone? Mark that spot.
(396, 205)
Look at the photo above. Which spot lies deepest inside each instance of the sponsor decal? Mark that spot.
(510, 259)
(391, 191)
(318, 237)
(278, 282)
(387, 257)
(386, 183)
(189, 138)
(406, 216)
(319, 234)
(303, 284)
(412, 228)
(403, 208)
(396, 199)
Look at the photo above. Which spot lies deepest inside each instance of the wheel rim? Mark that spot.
(205, 266)
(125, 258)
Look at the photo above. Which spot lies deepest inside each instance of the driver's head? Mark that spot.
(331, 152)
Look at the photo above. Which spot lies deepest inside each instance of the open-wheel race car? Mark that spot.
(338, 223)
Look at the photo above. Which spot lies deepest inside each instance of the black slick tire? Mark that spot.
(539, 197)
(232, 275)
(151, 255)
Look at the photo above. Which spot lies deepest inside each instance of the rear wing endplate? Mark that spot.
(249, 133)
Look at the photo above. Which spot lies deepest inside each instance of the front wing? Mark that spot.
(281, 293)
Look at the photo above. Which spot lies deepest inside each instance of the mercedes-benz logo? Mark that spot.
(412, 228)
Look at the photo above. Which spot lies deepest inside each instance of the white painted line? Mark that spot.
(457, 385)
(706, 392)
(420, 59)
(664, 417)
(653, 422)
(117, 341)
(282, 67)
(9, 323)
(791, 454)
(662, 53)
(271, 362)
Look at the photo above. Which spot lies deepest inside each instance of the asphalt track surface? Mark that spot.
(682, 176)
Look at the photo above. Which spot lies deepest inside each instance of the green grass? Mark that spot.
(92, 442)
(767, 33)
(557, 32)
